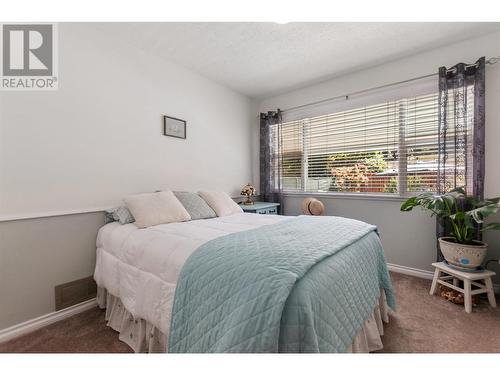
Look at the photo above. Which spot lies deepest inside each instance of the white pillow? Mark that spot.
(156, 208)
(220, 202)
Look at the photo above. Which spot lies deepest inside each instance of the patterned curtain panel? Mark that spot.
(461, 131)
(270, 156)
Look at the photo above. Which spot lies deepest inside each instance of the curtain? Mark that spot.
(270, 156)
(461, 132)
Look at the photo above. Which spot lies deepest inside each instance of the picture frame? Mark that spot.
(174, 127)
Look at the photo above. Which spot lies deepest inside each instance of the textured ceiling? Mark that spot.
(264, 59)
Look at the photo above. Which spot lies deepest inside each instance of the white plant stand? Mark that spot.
(472, 283)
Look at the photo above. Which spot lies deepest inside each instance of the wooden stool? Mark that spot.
(469, 279)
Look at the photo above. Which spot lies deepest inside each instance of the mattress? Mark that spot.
(141, 266)
(137, 272)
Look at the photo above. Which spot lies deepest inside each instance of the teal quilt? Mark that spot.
(301, 285)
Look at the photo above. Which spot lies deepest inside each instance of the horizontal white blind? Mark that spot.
(292, 154)
(372, 97)
(421, 143)
(388, 148)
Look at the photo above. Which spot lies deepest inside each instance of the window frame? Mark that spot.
(403, 145)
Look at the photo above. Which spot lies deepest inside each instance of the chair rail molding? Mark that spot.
(40, 215)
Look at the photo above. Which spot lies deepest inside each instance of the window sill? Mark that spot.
(352, 196)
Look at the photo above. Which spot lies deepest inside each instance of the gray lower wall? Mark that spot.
(38, 254)
(408, 238)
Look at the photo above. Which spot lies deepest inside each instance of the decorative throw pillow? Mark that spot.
(156, 208)
(120, 214)
(220, 202)
(195, 205)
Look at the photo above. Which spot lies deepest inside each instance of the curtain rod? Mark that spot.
(491, 61)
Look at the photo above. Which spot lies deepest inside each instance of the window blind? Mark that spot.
(387, 148)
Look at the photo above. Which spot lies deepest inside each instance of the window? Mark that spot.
(389, 148)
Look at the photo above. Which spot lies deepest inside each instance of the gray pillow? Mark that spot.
(120, 214)
(195, 205)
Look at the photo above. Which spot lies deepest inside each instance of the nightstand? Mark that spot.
(265, 208)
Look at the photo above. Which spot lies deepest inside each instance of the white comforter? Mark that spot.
(142, 266)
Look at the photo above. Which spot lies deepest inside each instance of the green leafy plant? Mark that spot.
(463, 212)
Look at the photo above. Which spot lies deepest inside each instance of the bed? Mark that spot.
(138, 271)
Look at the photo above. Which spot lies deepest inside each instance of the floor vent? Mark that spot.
(74, 292)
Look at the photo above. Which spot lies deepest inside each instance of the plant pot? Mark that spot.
(464, 256)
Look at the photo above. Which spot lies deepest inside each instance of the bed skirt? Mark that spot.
(143, 337)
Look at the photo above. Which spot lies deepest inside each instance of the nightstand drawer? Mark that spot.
(267, 211)
(262, 208)
(272, 211)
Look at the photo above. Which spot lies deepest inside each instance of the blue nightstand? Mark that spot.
(265, 208)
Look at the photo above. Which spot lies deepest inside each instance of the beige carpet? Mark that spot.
(428, 324)
(422, 323)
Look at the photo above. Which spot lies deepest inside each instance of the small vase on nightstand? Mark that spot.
(248, 191)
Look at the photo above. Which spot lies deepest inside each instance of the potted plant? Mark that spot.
(465, 214)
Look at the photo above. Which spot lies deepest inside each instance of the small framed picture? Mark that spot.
(174, 127)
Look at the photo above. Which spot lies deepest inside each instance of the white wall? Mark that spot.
(99, 137)
(408, 238)
(95, 140)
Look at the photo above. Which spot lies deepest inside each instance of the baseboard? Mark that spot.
(422, 273)
(44, 320)
(410, 271)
